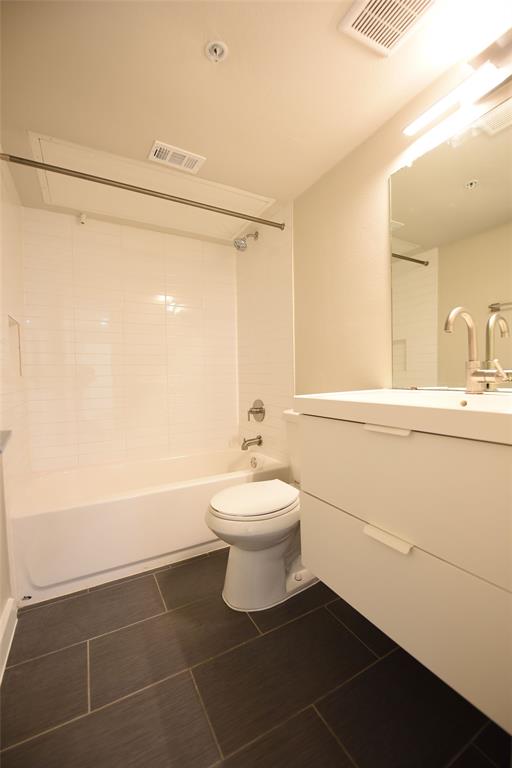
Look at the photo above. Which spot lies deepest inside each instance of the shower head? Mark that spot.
(240, 243)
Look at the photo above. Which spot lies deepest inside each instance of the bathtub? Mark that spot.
(74, 529)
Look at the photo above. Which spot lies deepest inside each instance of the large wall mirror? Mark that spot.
(451, 213)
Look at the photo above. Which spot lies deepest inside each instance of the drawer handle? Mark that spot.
(404, 547)
(387, 430)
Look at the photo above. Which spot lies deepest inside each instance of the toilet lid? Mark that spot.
(255, 499)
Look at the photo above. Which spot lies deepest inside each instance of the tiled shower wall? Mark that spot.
(265, 331)
(12, 403)
(414, 312)
(129, 343)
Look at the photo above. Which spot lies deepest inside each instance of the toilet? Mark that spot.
(260, 520)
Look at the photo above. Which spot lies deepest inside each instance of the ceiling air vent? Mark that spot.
(175, 157)
(497, 119)
(383, 25)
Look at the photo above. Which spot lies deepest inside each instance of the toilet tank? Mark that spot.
(291, 418)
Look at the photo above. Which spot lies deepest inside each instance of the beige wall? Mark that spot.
(341, 262)
(474, 272)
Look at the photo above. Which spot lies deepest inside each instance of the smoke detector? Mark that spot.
(216, 51)
(383, 25)
(174, 157)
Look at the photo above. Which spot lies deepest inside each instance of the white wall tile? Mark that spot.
(265, 332)
(123, 327)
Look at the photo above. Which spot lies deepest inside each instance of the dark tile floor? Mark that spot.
(155, 671)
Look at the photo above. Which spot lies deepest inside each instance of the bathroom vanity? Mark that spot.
(406, 513)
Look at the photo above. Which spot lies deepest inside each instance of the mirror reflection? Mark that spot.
(451, 239)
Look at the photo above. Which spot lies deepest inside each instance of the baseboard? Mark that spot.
(8, 619)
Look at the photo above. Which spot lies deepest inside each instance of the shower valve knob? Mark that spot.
(257, 410)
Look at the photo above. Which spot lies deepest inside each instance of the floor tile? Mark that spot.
(472, 758)
(161, 727)
(30, 606)
(367, 632)
(397, 714)
(250, 689)
(194, 581)
(123, 579)
(302, 742)
(313, 597)
(43, 693)
(496, 743)
(131, 658)
(72, 621)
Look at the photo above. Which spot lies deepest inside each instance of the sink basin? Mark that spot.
(444, 412)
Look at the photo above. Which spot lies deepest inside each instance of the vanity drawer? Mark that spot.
(449, 496)
(459, 626)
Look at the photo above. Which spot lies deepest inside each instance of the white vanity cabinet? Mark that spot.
(415, 531)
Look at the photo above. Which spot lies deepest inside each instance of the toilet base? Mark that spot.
(258, 580)
(311, 581)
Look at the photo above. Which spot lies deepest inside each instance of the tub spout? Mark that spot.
(247, 442)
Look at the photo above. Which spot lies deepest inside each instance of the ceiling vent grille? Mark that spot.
(383, 25)
(497, 119)
(175, 157)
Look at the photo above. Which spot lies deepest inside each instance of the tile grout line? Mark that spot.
(481, 751)
(88, 591)
(85, 640)
(207, 716)
(160, 593)
(110, 632)
(335, 737)
(264, 633)
(470, 743)
(265, 733)
(353, 677)
(148, 618)
(260, 632)
(110, 585)
(181, 672)
(88, 665)
(93, 711)
(161, 680)
(351, 631)
(189, 669)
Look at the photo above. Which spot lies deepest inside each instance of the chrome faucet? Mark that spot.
(247, 442)
(495, 319)
(476, 376)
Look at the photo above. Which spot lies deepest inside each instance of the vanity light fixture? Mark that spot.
(483, 80)
(490, 69)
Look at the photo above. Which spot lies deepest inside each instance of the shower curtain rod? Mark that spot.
(140, 190)
(409, 258)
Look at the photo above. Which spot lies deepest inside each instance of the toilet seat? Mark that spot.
(255, 501)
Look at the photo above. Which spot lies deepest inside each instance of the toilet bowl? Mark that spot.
(260, 521)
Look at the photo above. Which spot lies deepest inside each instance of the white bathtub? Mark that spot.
(78, 528)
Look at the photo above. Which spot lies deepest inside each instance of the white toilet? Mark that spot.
(261, 523)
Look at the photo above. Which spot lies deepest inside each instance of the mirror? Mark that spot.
(451, 213)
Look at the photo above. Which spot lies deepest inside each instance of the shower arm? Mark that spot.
(139, 190)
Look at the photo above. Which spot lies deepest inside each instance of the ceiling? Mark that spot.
(293, 97)
(432, 202)
(65, 192)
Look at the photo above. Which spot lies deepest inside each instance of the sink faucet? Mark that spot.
(495, 319)
(476, 376)
(247, 442)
